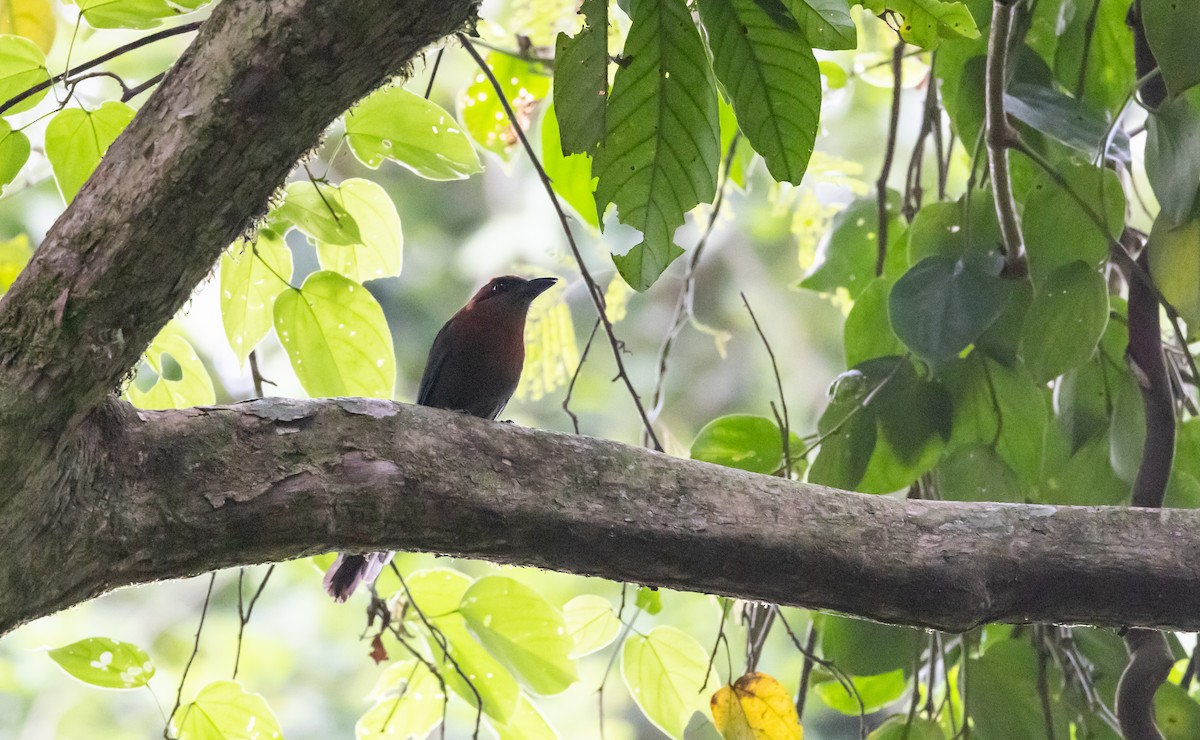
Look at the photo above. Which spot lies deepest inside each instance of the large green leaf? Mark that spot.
(409, 703)
(570, 175)
(437, 591)
(252, 276)
(1004, 699)
(861, 647)
(526, 723)
(1087, 479)
(315, 209)
(847, 254)
(742, 441)
(591, 623)
(101, 661)
(1058, 230)
(223, 710)
(826, 24)
(1097, 50)
(977, 473)
(1174, 254)
(482, 112)
(1172, 157)
(1065, 321)
(523, 630)
(401, 126)
(772, 79)
(941, 305)
(22, 66)
(875, 692)
(665, 670)
(76, 139)
(955, 229)
(927, 21)
(14, 153)
(1171, 28)
(1065, 120)
(137, 14)
(379, 250)
(478, 671)
(867, 333)
(182, 380)
(661, 148)
(581, 81)
(336, 337)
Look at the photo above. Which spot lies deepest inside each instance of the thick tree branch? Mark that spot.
(183, 492)
(253, 92)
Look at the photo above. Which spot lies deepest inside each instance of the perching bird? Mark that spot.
(474, 366)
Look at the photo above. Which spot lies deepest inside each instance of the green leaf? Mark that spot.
(103, 662)
(526, 723)
(847, 254)
(223, 710)
(955, 229)
(1175, 265)
(900, 728)
(1127, 433)
(1004, 699)
(76, 139)
(379, 251)
(315, 209)
(1087, 479)
(483, 114)
(401, 126)
(864, 648)
(1103, 43)
(665, 671)
(136, 14)
(1172, 157)
(438, 591)
(14, 255)
(1065, 120)
(523, 630)
(661, 147)
(409, 702)
(742, 441)
(926, 21)
(977, 473)
(14, 153)
(649, 600)
(336, 337)
(1065, 322)
(252, 276)
(867, 333)
(826, 24)
(942, 305)
(772, 79)
(22, 66)
(581, 81)
(1171, 27)
(876, 692)
(1058, 231)
(1176, 713)
(570, 176)
(495, 685)
(847, 442)
(591, 624)
(1002, 340)
(183, 380)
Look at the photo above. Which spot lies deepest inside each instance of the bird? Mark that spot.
(473, 367)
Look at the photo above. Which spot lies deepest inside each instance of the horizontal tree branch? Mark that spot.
(178, 493)
(253, 92)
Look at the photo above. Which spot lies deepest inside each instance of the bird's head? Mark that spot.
(510, 290)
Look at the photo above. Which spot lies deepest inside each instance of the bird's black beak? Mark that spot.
(537, 286)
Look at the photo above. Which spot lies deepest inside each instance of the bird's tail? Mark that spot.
(348, 571)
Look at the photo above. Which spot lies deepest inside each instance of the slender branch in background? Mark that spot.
(786, 426)
(842, 678)
(1000, 134)
(1089, 30)
(810, 645)
(889, 154)
(685, 303)
(726, 605)
(914, 193)
(437, 62)
(594, 291)
(212, 579)
(1043, 683)
(244, 614)
(566, 404)
(131, 46)
(612, 660)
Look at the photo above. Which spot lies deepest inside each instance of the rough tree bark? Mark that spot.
(94, 494)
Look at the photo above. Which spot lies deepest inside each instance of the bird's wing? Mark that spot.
(438, 353)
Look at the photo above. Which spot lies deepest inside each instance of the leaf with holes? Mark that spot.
(316, 209)
(826, 24)
(336, 337)
(927, 21)
(101, 661)
(409, 703)
(483, 114)
(591, 623)
(661, 148)
(182, 380)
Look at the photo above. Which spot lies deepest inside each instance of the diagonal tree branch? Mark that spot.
(253, 93)
(183, 492)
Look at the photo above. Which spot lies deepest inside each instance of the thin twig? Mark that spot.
(716, 643)
(846, 681)
(566, 404)
(889, 154)
(195, 649)
(437, 62)
(244, 616)
(785, 428)
(806, 669)
(593, 289)
(131, 46)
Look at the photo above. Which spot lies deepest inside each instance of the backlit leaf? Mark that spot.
(665, 672)
(14, 255)
(875, 692)
(14, 153)
(138, 14)
(482, 113)
(252, 276)
(591, 623)
(409, 702)
(401, 126)
(33, 19)
(526, 723)
(22, 66)
(570, 176)
(315, 209)
(182, 380)
(76, 139)
(379, 249)
(581, 81)
(755, 707)
(223, 710)
(926, 21)
(101, 661)
(481, 673)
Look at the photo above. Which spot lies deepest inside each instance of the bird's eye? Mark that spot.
(496, 287)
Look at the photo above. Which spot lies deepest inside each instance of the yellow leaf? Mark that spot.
(616, 298)
(551, 354)
(33, 19)
(14, 254)
(755, 707)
